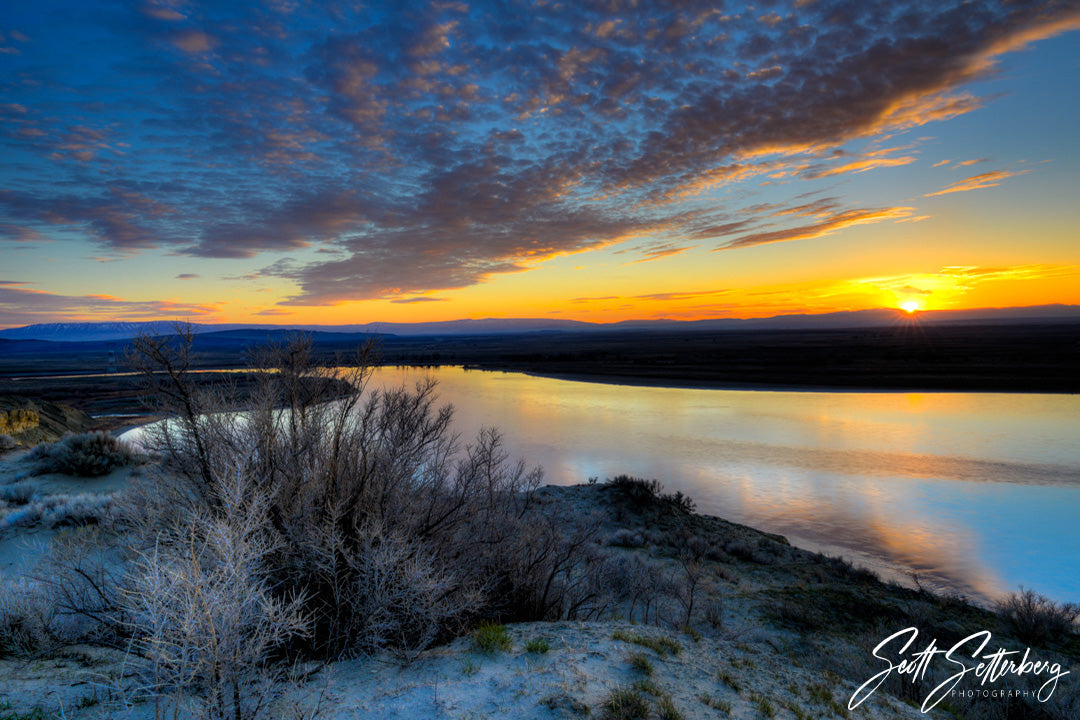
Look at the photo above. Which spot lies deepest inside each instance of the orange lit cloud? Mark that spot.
(656, 297)
(943, 288)
(978, 182)
(858, 166)
(663, 251)
(21, 305)
(834, 223)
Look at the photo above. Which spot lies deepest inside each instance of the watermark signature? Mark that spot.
(966, 657)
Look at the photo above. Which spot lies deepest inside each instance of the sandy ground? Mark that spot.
(572, 679)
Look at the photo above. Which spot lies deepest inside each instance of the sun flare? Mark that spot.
(909, 306)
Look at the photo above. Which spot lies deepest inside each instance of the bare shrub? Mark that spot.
(686, 586)
(638, 587)
(85, 455)
(714, 613)
(81, 509)
(35, 620)
(26, 617)
(625, 537)
(86, 573)
(202, 612)
(1035, 618)
(386, 528)
(19, 493)
(402, 598)
(638, 489)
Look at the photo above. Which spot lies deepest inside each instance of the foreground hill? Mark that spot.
(774, 632)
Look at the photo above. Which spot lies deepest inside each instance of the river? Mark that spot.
(977, 493)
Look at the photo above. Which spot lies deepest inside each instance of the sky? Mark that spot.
(601, 160)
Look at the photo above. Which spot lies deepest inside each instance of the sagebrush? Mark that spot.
(89, 454)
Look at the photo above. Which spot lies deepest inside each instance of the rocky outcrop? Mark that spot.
(34, 421)
(17, 421)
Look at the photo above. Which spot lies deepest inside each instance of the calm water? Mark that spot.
(978, 492)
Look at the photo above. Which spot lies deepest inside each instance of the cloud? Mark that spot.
(425, 299)
(186, 276)
(858, 166)
(827, 226)
(22, 305)
(194, 42)
(978, 182)
(162, 11)
(21, 234)
(956, 280)
(117, 220)
(656, 297)
(672, 296)
(427, 147)
(661, 251)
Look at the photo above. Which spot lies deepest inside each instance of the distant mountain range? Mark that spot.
(110, 331)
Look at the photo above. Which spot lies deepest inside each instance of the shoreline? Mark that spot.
(688, 384)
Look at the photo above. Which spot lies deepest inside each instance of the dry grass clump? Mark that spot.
(625, 704)
(661, 645)
(7, 442)
(88, 454)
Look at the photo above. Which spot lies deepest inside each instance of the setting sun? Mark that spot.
(909, 306)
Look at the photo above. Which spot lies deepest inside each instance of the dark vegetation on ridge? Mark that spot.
(1039, 357)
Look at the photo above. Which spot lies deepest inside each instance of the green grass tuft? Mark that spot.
(537, 645)
(642, 664)
(491, 637)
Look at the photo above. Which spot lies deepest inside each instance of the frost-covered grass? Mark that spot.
(89, 454)
(21, 508)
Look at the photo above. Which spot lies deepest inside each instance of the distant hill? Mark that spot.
(114, 331)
